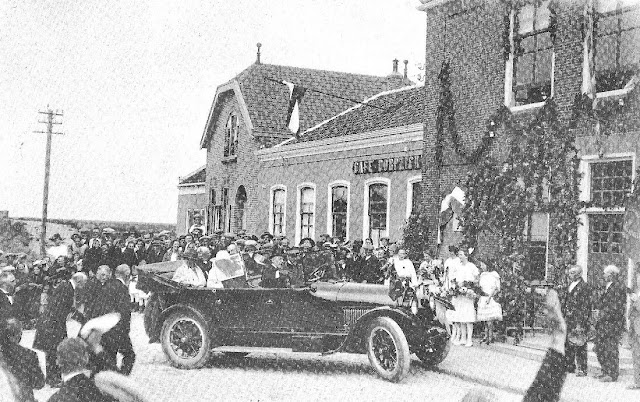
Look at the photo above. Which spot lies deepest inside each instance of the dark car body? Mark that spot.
(324, 317)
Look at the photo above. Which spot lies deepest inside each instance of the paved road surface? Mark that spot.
(295, 377)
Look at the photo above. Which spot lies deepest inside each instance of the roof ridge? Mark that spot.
(381, 77)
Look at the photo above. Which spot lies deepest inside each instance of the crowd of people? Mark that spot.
(95, 274)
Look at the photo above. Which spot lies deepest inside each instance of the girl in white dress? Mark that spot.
(464, 314)
(488, 309)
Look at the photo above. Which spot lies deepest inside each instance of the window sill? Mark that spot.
(616, 93)
(229, 159)
(600, 210)
(530, 106)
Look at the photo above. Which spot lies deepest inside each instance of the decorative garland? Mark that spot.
(445, 120)
(502, 197)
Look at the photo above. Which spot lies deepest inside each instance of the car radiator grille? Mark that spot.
(352, 315)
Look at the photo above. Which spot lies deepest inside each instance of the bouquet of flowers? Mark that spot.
(466, 288)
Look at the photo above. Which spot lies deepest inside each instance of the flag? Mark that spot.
(452, 203)
(631, 228)
(293, 113)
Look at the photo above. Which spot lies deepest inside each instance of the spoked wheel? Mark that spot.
(387, 349)
(185, 340)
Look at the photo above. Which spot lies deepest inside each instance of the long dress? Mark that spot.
(465, 311)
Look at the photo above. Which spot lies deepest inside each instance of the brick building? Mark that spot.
(520, 55)
(354, 176)
(248, 114)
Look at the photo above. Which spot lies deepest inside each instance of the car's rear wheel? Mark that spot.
(185, 340)
(387, 349)
(433, 356)
(151, 314)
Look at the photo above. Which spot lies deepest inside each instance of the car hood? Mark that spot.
(353, 292)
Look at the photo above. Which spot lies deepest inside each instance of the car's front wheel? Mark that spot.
(185, 340)
(387, 349)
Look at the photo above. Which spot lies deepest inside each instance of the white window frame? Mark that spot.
(365, 210)
(410, 182)
(330, 186)
(509, 96)
(284, 219)
(298, 232)
(582, 257)
(622, 92)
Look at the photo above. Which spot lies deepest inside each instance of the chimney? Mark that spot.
(406, 75)
(259, 45)
(395, 66)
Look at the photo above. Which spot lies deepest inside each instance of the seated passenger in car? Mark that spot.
(190, 273)
(275, 273)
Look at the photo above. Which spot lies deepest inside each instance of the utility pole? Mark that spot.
(50, 122)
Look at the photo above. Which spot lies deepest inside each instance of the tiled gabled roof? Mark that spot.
(267, 101)
(197, 176)
(395, 108)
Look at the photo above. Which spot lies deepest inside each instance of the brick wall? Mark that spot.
(326, 168)
(470, 37)
(242, 171)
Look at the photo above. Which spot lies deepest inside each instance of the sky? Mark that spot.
(135, 81)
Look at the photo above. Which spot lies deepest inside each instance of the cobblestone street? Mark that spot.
(300, 376)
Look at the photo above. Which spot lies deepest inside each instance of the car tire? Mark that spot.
(435, 356)
(387, 349)
(152, 312)
(185, 340)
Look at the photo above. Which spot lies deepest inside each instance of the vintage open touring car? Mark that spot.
(323, 317)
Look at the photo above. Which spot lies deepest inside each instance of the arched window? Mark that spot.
(231, 136)
(377, 209)
(278, 211)
(338, 210)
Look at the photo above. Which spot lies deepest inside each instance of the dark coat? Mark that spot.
(370, 270)
(79, 389)
(611, 319)
(51, 328)
(7, 310)
(129, 257)
(23, 364)
(92, 259)
(155, 254)
(99, 298)
(576, 306)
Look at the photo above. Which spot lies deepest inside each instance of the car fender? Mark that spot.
(355, 339)
(185, 308)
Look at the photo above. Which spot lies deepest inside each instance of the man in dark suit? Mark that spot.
(610, 324)
(7, 290)
(73, 359)
(370, 270)
(117, 340)
(576, 309)
(51, 328)
(22, 362)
